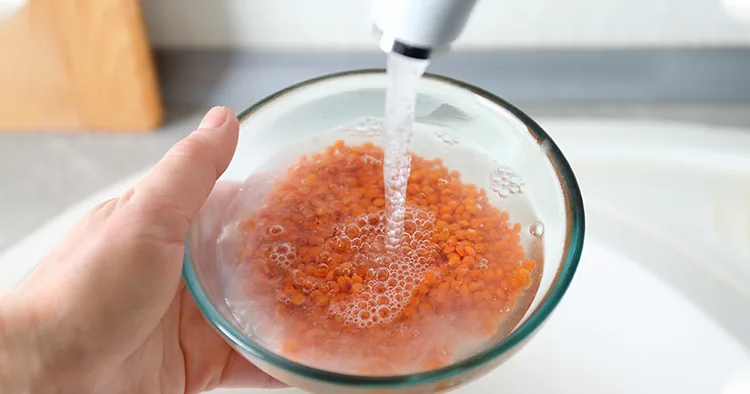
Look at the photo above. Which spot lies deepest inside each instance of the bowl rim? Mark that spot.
(571, 255)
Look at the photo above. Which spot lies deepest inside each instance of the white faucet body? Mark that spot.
(420, 28)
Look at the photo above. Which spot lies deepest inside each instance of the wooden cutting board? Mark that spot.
(77, 65)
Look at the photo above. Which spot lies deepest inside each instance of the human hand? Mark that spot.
(107, 310)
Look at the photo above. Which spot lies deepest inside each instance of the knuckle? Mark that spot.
(125, 197)
(193, 148)
(161, 221)
(103, 210)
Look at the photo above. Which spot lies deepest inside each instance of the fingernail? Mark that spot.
(214, 118)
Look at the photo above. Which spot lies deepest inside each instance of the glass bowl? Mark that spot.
(530, 168)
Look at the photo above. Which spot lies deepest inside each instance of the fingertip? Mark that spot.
(233, 126)
(184, 178)
(214, 118)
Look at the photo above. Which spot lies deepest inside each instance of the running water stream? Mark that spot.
(401, 96)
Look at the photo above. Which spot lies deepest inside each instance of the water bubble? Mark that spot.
(276, 229)
(367, 159)
(352, 231)
(342, 244)
(505, 182)
(373, 219)
(380, 288)
(324, 257)
(537, 229)
(369, 126)
(446, 137)
(382, 274)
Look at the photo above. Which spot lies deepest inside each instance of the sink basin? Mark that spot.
(662, 281)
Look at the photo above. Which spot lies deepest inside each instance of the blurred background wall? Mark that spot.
(345, 24)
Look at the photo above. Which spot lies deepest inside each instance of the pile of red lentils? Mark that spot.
(316, 267)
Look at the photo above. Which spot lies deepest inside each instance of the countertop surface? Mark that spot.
(43, 173)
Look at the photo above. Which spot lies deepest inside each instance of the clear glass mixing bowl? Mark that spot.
(552, 231)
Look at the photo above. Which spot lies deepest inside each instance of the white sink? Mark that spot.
(660, 302)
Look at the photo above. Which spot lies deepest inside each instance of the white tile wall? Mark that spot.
(345, 24)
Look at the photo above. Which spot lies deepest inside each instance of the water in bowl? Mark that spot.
(359, 256)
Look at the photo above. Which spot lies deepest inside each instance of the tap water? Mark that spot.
(403, 77)
(363, 257)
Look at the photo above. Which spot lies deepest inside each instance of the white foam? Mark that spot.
(388, 288)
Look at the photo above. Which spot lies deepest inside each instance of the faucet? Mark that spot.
(420, 29)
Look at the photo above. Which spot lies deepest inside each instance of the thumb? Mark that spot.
(176, 188)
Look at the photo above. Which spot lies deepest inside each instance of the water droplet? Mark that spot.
(537, 229)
